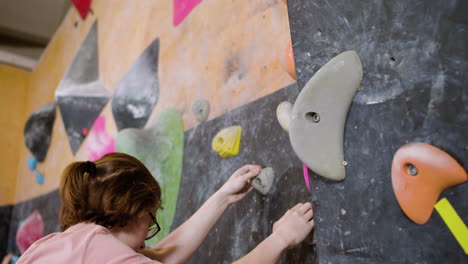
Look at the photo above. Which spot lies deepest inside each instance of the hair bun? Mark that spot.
(90, 167)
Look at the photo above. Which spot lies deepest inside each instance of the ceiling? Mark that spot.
(26, 28)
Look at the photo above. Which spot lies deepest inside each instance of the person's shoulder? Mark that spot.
(88, 227)
(106, 248)
(89, 231)
(88, 241)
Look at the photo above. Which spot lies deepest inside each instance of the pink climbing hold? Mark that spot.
(29, 231)
(306, 177)
(182, 8)
(99, 141)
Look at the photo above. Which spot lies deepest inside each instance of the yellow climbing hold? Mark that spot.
(227, 141)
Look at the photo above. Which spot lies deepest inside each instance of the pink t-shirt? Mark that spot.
(84, 243)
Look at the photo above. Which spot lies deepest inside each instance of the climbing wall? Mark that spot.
(263, 142)
(121, 76)
(413, 90)
(116, 72)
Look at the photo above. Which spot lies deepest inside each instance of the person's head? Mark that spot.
(116, 191)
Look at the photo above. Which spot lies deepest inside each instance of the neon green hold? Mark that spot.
(160, 147)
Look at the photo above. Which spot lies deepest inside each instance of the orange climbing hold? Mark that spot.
(290, 61)
(420, 173)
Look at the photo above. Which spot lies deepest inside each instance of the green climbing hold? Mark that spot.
(160, 147)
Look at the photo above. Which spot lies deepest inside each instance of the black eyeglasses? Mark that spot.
(154, 229)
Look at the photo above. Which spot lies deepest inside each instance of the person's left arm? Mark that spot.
(182, 243)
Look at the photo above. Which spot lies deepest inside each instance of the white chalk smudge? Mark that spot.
(138, 111)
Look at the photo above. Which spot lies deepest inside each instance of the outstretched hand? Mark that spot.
(238, 185)
(294, 226)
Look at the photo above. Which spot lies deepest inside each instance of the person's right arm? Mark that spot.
(288, 232)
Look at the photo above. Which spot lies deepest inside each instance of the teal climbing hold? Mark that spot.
(39, 177)
(32, 163)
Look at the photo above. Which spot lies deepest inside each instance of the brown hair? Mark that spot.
(109, 192)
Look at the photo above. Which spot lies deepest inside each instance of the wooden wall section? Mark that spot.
(13, 85)
(228, 52)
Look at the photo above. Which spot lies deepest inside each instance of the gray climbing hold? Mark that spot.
(318, 117)
(283, 113)
(201, 109)
(263, 182)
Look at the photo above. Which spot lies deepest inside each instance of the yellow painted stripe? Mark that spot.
(454, 222)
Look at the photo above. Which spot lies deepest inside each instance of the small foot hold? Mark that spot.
(32, 163)
(201, 110)
(283, 113)
(39, 177)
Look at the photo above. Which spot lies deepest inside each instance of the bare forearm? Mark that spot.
(267, 252)
(182, 243)
(290, 230)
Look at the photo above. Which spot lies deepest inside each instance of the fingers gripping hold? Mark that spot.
(304, 208)
(296, 224)
(245, 169)
(309, 215)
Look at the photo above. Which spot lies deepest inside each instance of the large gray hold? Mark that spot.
(321, 110)
(263, 182)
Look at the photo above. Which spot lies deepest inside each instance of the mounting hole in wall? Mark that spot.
(312, 116)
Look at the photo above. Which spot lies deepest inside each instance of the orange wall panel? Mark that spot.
(14, 86)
